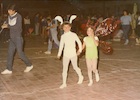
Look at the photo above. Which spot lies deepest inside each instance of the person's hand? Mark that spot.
(78, 53)
(58, 57)
(4, 26)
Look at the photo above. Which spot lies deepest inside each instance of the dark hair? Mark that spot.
(12, 7)
(125, 11)
(90, 27)
(66, 23)
(49, 19)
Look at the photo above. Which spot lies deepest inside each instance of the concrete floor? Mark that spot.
(119, 75)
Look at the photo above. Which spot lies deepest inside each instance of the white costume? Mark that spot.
(68, 40)
(68, 43)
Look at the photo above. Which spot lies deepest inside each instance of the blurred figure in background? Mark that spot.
(126, 25)
(138, 29)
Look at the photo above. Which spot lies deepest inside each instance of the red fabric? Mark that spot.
(107, 27)
(83, 28)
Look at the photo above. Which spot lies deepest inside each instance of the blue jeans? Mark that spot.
(16, 43)
(51, 39)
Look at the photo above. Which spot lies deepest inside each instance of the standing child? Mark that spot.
(91, 43)
(68, 43)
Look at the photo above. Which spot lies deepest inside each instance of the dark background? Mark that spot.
(88, 7)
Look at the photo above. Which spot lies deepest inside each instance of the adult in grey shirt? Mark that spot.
(126, 25)
(14, 23)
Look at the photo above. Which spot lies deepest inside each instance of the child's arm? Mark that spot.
(79, 45)
(96, 41)
(60, 47)
(83, 46)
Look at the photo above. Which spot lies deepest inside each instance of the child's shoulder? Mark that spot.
(73, 33)
(85, 38)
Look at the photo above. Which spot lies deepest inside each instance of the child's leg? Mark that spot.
(94, 69)
(64, 73)
(55, 38)
(89, 68)
(77, 69)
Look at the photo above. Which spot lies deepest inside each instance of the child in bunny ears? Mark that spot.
(91, 42)
(67, 42)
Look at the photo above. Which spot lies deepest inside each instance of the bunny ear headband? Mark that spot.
(59, 18)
